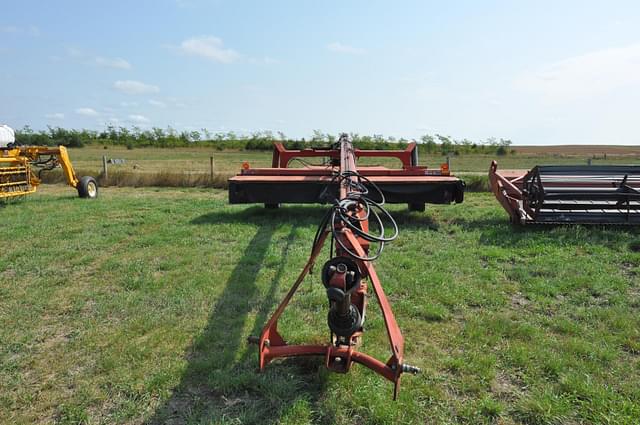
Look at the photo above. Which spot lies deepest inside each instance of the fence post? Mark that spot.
(448, 162)
(104, 167)
(211, 166)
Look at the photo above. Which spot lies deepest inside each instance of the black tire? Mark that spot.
(272, 206)
(88, 187)
(417, 206)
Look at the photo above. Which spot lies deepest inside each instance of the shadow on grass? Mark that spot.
(499, 232)
(494, 230)
(305, 215)
(221, 383)
(297, 215)
(408, 220)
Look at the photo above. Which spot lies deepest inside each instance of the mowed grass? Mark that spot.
(135, 308)
(154, 160)
(197, 160)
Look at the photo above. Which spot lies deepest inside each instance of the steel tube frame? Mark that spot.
(340, 356)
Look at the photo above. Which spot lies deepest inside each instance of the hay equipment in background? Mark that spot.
(555, 194)
(316, 183)
(21, 168)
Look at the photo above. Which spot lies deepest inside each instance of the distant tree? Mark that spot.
(466, 145)
(317, 137)
(135, 137)
(26, 130)
(502, 146)
(446, 144)
(205, 133)
(158, 133)
(194, 136)
(429, 143)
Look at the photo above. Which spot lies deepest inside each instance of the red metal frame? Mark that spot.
(286, 183)
(282, 156)
(554, 194)
(339, 356)
(507, 188)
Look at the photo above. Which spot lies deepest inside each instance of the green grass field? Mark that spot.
(191, 167)
(135, 307)
(196, 160)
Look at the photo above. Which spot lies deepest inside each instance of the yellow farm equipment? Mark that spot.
(21, 168)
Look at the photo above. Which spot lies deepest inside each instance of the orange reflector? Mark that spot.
(444, 169)
(245, 165)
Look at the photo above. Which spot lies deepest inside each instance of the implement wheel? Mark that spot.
(88, 187)
(418, 206)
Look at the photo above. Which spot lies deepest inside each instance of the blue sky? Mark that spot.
(535, 72)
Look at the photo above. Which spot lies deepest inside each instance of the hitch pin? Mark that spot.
(407, 368)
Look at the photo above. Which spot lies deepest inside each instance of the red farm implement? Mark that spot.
(355, 225)
(554, 194)
(280, 184)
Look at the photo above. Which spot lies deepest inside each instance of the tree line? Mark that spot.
(136, 137)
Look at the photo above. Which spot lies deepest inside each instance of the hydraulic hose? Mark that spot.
(342, 211)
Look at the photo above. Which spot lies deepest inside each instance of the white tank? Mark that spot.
(7, 135)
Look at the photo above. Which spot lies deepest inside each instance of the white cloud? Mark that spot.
(209, 47)
(139, 119)
(87, 112)
(56, 116)
(126, 104)
(338, 47)
(9, 29)
(157, 103)
(117, 63)
(594, 73)
(135, 87)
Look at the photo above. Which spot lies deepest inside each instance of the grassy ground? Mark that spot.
(148, 160)
(228, 162)
(191, 167)
(135, 307)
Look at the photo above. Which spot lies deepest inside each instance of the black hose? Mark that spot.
(357, 197)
